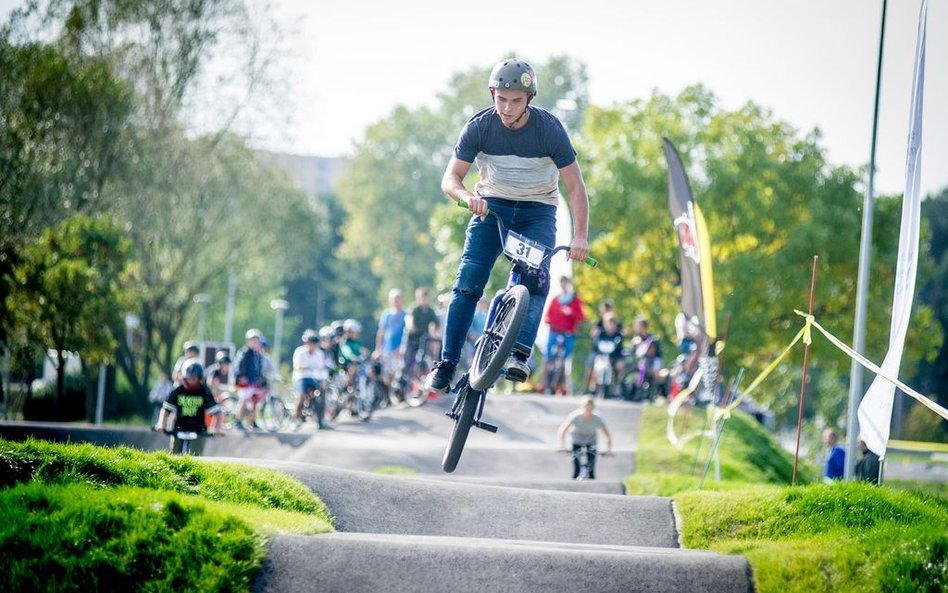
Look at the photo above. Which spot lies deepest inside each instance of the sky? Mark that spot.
(812, 62)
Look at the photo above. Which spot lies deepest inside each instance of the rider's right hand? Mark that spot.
(477, 206)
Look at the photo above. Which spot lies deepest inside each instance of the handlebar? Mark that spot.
(589, 261)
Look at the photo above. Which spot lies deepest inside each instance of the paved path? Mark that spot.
(509, 519)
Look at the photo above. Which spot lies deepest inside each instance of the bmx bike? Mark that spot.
(181, 441)
(505, 317)
(584, 460)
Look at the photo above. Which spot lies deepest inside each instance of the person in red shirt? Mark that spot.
(565, 315)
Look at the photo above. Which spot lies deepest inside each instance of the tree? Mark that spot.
(211, 206)
(60, 140)
(69, 289)
(771, 201)
(932, 376)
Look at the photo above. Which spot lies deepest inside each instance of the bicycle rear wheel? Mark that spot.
(498, 340)
(462, 426)
(272, 414)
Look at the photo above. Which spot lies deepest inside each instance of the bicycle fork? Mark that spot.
(455, 412)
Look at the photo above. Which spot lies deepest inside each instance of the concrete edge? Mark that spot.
(676, 515)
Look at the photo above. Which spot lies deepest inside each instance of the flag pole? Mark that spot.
(806, 364)
(862, 280)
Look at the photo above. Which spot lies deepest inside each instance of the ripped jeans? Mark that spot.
(482, 245)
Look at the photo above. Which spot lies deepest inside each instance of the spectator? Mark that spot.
(867, 468)
(422, 322)
(388, 339)
(836, 460)
(564, 314)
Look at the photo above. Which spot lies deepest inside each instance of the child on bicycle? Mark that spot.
(310, 371)
(187, 404)
(521, 152)
(584, 425)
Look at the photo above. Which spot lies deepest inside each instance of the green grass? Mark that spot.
(80, 517)
(748, 454)
(395, 470)
(825, 537)
(802, 539)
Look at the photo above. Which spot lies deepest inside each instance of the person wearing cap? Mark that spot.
(521, 152)
(192, 351)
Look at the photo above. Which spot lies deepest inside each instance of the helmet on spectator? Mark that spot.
(513, 75)
(337, 328)
(222, 357)
(253, 333)
(352, 325)
(326, 333)
(191, 346)
(310, 336)
(193, 375)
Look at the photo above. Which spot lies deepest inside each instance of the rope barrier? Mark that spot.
(806, 335)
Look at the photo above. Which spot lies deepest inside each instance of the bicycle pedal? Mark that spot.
(485, 426)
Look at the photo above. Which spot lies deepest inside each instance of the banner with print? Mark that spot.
(694, 249)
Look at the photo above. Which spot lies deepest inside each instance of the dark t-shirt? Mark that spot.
(604, 341)
(189, 408)
(422, 317)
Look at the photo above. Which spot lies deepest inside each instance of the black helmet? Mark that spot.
(513, 75)
(222, 357)
(193, 370)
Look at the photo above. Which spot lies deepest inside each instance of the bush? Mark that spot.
(921, 424)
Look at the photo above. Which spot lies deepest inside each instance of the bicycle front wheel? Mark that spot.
(498, 340)
(462, 426)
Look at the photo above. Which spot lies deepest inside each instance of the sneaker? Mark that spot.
(439, 380)
(516, 369)
(239, 425)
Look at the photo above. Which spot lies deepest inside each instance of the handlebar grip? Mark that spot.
(462, 203)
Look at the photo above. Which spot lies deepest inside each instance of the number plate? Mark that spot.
(522, 249)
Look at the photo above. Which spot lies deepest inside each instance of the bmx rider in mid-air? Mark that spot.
(521, 151)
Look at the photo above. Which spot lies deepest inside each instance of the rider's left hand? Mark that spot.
(578, 249)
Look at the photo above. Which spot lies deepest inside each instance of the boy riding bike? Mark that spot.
(584, 425)
(520, 151)
(187, 404)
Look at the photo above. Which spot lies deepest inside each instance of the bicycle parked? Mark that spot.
(506, 315)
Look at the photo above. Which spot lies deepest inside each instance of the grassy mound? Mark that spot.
(748, 454)
(81, 517)
(808, 538)
(826, 537)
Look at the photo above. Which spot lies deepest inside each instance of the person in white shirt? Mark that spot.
(310, 370)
